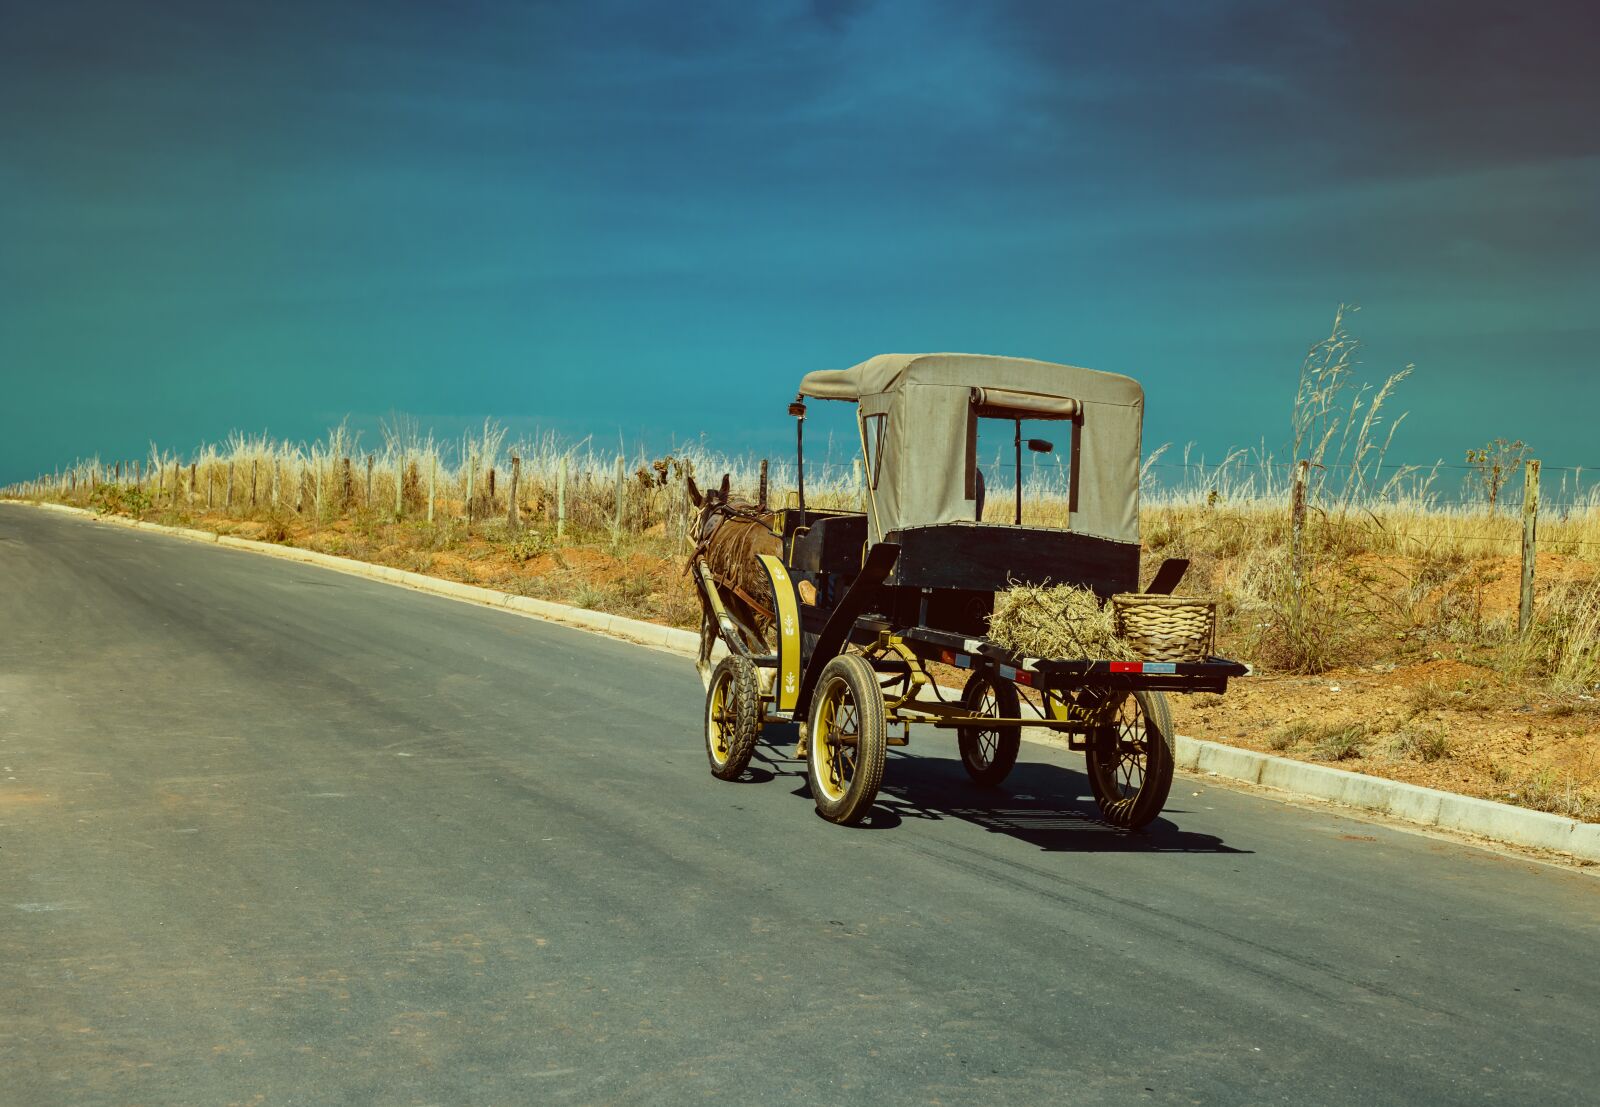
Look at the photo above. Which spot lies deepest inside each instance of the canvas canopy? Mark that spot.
(919, 413)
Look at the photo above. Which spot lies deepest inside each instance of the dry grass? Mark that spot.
(1393, 565)
(1054, 621)
(1324, 741)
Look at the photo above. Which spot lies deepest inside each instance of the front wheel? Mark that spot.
(733, 716)
(1129, 759)
(988, 755)
(849, 739)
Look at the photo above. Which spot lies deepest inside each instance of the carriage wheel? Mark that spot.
(988, 755)
(1130, 759)
(848, 739)
(733, 716)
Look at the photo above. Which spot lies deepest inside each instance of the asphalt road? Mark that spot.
(271, 834)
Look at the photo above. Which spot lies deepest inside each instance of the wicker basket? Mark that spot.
(1165, 628)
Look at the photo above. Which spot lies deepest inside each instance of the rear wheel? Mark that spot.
(988, 755)
(733, 716)
(849, 738)
(1130, 759)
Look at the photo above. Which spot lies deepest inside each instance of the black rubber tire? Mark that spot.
(988, 755)
(733, 716)
(847, 699)
(1130, 760)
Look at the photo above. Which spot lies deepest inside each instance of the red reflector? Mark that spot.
(947, 657)
(1127, 666)
(1025, 678)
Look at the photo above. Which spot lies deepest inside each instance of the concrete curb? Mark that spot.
(1409, 802)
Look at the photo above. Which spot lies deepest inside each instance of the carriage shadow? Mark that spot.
(1047, 806)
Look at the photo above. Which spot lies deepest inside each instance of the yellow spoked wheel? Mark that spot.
(989, 754)
(848, 740)
(733, 716)
(1129, 759)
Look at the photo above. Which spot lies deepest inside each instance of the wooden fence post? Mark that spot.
(433, 477)
(682, 525)
(228, 503)
(622, 495)
(472, 463)
(194, 470)
(367, 502)
(1530, 524)
(513, 523)
(255, 472)
(761, 492)
(1297, 532)
(561, 500)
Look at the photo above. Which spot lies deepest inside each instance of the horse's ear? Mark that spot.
(725, 487)
(694, 493)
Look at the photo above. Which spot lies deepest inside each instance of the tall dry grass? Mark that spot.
(1396, 559)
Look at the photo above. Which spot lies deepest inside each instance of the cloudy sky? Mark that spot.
(652, 218)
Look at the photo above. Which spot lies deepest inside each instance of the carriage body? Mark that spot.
(868, 605)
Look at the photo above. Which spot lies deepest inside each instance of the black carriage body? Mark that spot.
(946, 575)
(937, 592)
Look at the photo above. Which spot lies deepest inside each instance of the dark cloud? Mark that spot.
(1294, 93)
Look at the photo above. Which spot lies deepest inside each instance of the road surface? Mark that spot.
(271, 834)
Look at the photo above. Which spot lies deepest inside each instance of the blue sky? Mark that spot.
(653, 218)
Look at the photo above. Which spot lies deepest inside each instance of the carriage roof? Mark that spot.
(926, 469)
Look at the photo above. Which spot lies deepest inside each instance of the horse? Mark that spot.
(729, 535)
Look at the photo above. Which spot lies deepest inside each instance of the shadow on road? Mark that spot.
(1048, 806)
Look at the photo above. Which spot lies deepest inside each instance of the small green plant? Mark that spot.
(1328, 741)
(1542, 791)
(588, 596)
(1494, 464)
(119, 499)
(1563, 644)
(1425, 743)
(276, 528)
(1427, 697)
(1340, 744)
(1290, 735)
(1284, 737)
(526, 546)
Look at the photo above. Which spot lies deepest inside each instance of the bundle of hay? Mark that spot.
(1055, 621)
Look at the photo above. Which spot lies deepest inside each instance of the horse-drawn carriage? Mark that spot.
(849, 610)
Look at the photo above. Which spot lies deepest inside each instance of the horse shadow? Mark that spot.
(1048, 806)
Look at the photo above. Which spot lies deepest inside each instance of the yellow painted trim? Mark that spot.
(784, 599)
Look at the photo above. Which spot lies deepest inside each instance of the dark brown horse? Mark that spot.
(729, 535)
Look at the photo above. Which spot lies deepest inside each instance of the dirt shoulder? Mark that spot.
(1438, 723)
